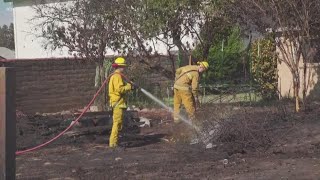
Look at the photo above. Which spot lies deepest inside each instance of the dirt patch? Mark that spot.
(292, 152)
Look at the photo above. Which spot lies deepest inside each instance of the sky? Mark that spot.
(6, 16)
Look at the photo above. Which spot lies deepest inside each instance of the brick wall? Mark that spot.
(154, 81)
(51, 85)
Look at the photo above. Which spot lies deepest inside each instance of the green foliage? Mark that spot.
(166, 20)
(7, 36)
(264, 66)
(224, 56)
(163, 16)
(85, 28)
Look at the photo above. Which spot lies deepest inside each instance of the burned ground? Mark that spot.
(252, 142)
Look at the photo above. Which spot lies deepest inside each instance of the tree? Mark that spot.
(89, 28)
(296, 23)
(163, 21)
(86, 28)
(170, 21)
(7, 36)
(224, 55)
(214, 26)
(145, 30)
(135, 26)
(130, 27)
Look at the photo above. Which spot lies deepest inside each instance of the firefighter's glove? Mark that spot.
(134, 86)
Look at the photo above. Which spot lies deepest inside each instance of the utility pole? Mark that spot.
(7, 124)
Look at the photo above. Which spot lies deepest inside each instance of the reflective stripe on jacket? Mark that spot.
(117, 90)
(187, 78)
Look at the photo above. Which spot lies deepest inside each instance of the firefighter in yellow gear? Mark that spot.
(117, 91)
(186, 89)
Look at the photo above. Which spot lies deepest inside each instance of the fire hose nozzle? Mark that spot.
(135, 86)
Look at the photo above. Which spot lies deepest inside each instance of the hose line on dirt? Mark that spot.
(74, 122)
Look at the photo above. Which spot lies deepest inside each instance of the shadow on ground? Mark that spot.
(131, 141)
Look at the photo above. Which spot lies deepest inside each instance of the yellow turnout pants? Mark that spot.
(116, 126)
(186, 98)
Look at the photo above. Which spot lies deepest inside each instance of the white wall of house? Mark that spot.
(28, 46)
(26, 43)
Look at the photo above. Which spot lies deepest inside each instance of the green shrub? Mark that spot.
(224, 57)
(264, 66)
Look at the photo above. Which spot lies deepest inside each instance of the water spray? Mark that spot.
(155, 99)
(202, 136)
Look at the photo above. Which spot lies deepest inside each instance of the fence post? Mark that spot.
(204, 95)
(168, 95)
(7, 124)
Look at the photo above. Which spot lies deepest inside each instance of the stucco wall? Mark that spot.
(285, 81)
(26, 43)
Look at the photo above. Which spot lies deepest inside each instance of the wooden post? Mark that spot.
(7, 124)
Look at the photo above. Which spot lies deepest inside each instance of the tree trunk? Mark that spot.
(297, 104)
(107, 72)
(296, 84)
(173, 66)
(102, 71)
(304, 90)
(100, 102)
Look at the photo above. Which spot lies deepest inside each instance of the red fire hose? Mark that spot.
(75, 121)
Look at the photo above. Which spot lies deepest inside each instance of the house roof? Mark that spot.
(6, 53)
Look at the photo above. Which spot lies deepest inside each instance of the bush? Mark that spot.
(264, 67)
(224, 57)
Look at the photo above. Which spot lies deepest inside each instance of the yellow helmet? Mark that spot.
(204, 64)
(120, 61)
